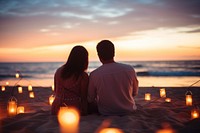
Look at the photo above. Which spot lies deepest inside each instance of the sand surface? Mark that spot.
(150, 117)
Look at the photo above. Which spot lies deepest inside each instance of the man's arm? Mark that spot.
(135, 84)
(91, 90)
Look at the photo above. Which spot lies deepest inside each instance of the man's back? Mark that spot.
(114, 85)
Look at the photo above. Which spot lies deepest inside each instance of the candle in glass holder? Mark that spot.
(68, 119)
(20, 89)
(52, 87)
(51, 99)
(147, 96)
(20, 109)
(30, 87)
(195, 113)
(111, 130)
(12, 106)
(3, 88)
(7, 83)
(188, 100)
(162, 92)
(168, 100)
(31, 94)
(17, 75)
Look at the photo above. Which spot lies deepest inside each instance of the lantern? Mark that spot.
(188, 98)
(7, 83)
(31, 94)
(17, 75)
(20, 109)
(30, 87)
(194, 113)
(168, 100)
(3, 88)
(12, 106)
(52, 87)
(162, 92)
(147, 96)
(51, 99)
(68, 119)
(111, 130)
(20, 89)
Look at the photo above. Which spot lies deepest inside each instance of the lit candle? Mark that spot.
(147, 96)
(7, 83)
(51, 99)
(30, 87)
(31, 94)
(20, 89)
(17, 75)
(162, 92)
(12, 106)
(188, 99)
(68, 119)
(168, 100)
(194, 114)
(20, 109)
(3, 88)
(52, 87)
(111, 130)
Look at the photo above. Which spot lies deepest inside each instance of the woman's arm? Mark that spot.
(84, 91)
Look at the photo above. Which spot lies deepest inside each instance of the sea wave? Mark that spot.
(167, 73)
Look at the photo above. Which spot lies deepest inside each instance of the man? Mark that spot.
(113, 85)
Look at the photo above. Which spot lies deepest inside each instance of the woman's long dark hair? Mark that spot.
(76, 64)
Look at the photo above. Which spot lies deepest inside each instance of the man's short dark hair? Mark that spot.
(106, 49)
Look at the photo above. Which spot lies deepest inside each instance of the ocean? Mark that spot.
(150, 73)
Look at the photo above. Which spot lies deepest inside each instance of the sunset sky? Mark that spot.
(46, 30)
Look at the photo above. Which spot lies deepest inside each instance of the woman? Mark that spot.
(71, 82)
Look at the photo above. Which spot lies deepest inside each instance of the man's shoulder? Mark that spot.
(125, 66)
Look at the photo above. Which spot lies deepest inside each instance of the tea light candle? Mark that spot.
(68, 119)
(7, 83)
(147, 96)
(20, 89)
(12, 106)
(51, 99)
(162, 92)
(17, 75)
(30, 87)
(168, 100)
(31, 94)
(52, 87)
(3, 88)
(194, 114)
(111, 130)
(20, 109)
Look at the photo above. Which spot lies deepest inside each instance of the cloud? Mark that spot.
(85, 20)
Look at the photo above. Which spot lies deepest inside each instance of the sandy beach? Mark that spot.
(150, 117)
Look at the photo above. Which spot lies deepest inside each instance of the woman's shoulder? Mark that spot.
(84, 75)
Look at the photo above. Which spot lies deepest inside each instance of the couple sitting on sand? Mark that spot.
(111, 87)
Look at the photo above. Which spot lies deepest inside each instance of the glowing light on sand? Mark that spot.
(51, 99)
(162, 92)
(20, 89)
(12, 106)
(7, 83)
(188, 98)
(3, 88)
(168, 100)
(194, 113)
(20, 109)
(147, 96)
(17, 75)
(166, 128)
(30, 87)
(52, 87)
(68, 119)
(111, 130)
(31, 94)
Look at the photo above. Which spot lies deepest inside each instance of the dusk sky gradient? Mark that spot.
(46, 30)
